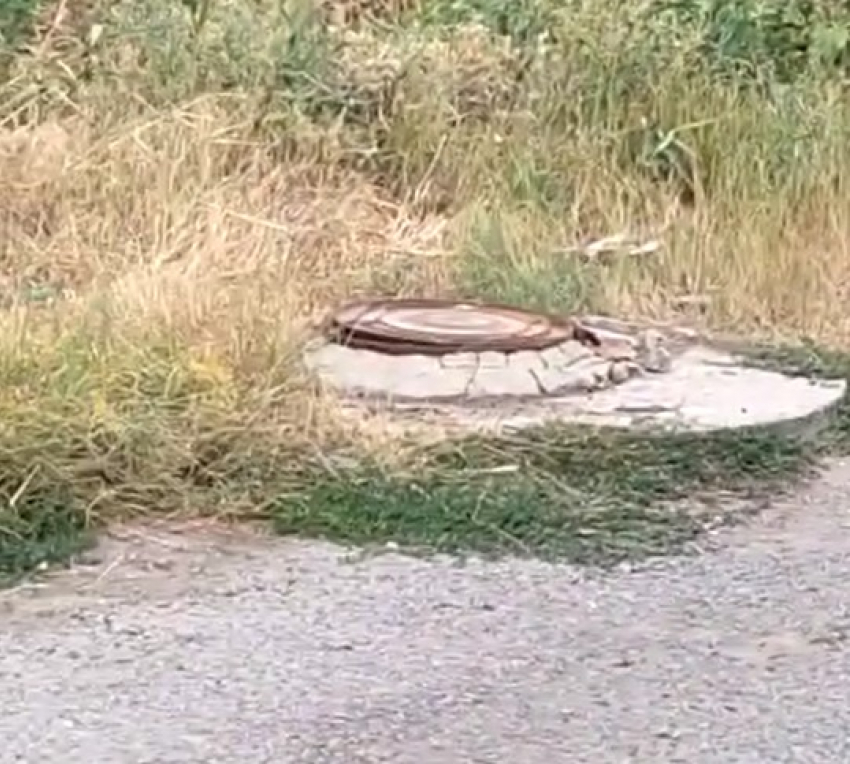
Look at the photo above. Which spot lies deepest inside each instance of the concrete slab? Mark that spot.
(580, 376)
(366, 373)
(490, 382)
(704, 389)
(526, 359)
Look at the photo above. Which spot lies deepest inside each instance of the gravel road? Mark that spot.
(204, 647)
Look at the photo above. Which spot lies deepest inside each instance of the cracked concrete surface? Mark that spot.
(704, 389)
(200, 647)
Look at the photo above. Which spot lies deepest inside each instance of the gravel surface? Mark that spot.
(200, 647)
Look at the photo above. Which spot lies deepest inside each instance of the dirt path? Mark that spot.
(193, 648)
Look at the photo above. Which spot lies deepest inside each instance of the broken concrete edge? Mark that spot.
(567, 369)
(812, 427)
(484, 418)
(807, 428)
(422, 422)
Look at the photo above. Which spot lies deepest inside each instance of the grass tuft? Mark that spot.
(40, 526)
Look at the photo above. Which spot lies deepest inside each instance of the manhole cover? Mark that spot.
(437, 327)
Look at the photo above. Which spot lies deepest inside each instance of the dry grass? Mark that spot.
(178, 208)
(184, 265)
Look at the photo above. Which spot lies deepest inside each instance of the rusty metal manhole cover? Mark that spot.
(437, 327)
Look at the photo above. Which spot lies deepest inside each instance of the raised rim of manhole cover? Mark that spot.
(436, 327)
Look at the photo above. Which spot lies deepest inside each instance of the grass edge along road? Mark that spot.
(572, 494)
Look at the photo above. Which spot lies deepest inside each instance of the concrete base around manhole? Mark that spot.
(704, 390)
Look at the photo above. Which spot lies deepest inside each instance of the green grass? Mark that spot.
(574, 494)
(559, 493)
(16, 22)
(40, 526)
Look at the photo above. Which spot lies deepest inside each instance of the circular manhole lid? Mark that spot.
(436, 327)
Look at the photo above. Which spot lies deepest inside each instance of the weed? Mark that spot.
(17, 18)
(764, 40)
(40, 525)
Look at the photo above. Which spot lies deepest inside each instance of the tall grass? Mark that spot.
(186, 187)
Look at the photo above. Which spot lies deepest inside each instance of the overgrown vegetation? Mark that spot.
(188, 185)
